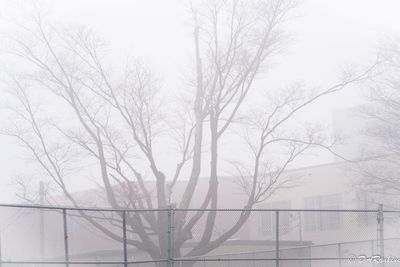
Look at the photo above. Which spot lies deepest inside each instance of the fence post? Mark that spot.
(124, 238)
(41, 219)
(340, 254)
(66, 248)
(277, 237)
(170, 237)
(1, 257)
(300, 226)
(381, 247)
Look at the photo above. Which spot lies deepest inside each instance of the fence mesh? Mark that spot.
(39, 236)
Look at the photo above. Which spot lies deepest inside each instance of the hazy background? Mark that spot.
(327, 36)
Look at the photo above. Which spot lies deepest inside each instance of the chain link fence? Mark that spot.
(61, 236)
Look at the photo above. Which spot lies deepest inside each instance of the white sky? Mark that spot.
(327, 36)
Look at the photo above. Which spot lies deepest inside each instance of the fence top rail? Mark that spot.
(175, 209)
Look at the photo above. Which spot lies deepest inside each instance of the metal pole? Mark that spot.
(340, 254)
(1, 257)
(380, 233)
(277, 237)
(66, 249)
(169, 238)
(300, 227)
(41, 218)
(124, 238)
(172, 236)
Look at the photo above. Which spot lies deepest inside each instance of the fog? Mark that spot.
(180, 133)
(325, 38)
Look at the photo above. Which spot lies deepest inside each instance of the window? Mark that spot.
(311, 220)
(267, 219)
(370, 201)
(322, 221)
(365, 201)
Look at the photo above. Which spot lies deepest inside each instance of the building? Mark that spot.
(304, 233)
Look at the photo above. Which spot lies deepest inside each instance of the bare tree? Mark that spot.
(380, 168)
(115, 120)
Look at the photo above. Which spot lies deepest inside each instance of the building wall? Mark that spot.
(319, 187)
